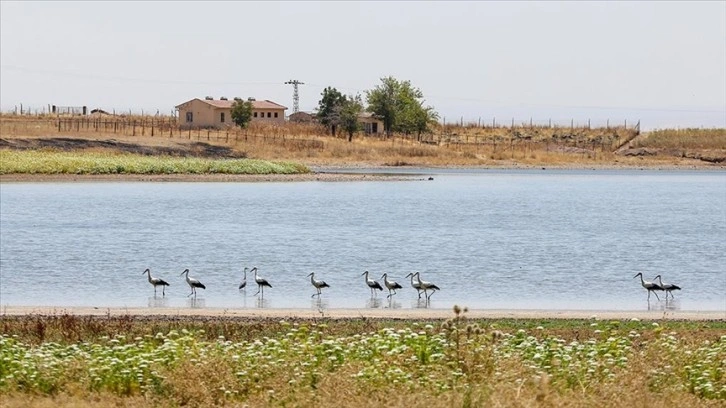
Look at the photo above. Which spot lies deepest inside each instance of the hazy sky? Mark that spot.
(661, 62)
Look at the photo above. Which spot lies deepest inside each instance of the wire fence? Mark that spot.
(309, 135)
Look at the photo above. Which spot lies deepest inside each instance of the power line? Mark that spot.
(296, 97)
(127, 79)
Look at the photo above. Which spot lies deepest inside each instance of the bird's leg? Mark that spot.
(163, 291)
(656, 296)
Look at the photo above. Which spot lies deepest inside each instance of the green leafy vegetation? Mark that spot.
(336, 363)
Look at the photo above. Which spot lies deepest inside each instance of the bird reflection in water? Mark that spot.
(393, 305)
(195, 303)
(262, 303)
(158, 301)
(422, 303)
(319, 304)
(373, 303)
(672, 304)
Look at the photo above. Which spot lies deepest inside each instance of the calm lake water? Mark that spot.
(491, 239)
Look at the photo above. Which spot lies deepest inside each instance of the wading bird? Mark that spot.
(415, 284)
(156, 282)
(261, 282)
(426, 286)
(193, 283)
(650, 286)
(319, 284)
(243, 284)
(391, 285)
(668, 287)
(372, 284)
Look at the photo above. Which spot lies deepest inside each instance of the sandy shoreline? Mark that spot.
(414, 314)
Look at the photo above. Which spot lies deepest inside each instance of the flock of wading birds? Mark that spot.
(194, 284)
(416, 283)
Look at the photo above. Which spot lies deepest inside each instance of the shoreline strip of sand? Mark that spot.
(414, 314)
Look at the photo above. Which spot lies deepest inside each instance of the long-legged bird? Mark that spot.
(261, 282)
(426, 286)
(317, 283)
(415, 284)
(156, 282)
(668, 287)
(243, 284)
(650, 286)
(390, 285)
(373, 285)
(193, 283)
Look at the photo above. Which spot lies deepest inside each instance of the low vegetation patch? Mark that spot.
(358, 362)
(54, 162)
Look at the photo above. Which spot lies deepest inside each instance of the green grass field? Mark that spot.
(52, 162)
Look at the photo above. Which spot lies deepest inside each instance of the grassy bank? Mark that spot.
(53, 162)
(68, 360)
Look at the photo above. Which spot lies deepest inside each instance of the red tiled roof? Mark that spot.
(218, 103)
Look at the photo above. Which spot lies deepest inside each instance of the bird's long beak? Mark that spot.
(636, 275)
(410, 274)
(147, 270)
(656, 277)
(185, 271)
(310, 274)
(363, 273)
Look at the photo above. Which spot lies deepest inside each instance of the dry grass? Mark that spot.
(445, 146)
(684, 139)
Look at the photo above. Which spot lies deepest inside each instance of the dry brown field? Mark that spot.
(507, 147)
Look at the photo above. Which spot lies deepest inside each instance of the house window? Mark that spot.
(269, 114)
(255, 114)
(190, 117)
(275, 114)
(221, 117)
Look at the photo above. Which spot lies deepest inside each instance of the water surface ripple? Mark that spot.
(550, 239)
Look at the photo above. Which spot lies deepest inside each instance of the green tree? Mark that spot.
(241, 112)
(351, 109)
(329, 108)
(400, 106)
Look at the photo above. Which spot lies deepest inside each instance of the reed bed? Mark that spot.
(52, 162)
(359, 362)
